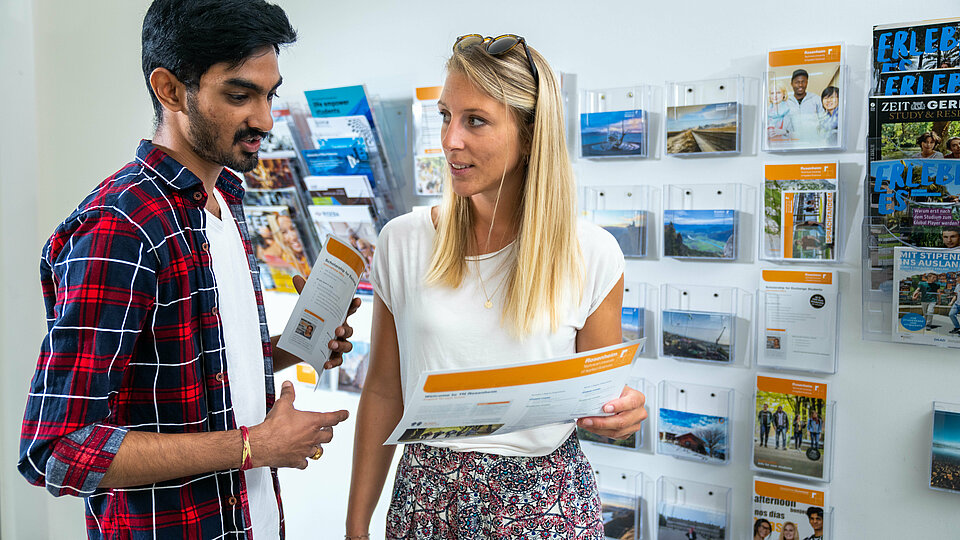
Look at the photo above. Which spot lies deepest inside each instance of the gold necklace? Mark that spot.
(489, 299)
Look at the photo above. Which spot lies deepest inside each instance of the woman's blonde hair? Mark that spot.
(796, 530)
(547, 272)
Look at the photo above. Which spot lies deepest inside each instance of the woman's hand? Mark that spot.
(629, 413)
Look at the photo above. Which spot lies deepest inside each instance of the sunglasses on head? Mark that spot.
(497, 46)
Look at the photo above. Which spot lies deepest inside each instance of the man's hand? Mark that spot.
(287, 437)
(340, 345)
(629, 413)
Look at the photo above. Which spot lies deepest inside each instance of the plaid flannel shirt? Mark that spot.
(135, 342)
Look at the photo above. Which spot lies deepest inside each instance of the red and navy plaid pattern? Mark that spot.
(135, 342)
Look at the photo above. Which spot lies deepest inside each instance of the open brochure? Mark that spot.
(323, 303)
(455, 404)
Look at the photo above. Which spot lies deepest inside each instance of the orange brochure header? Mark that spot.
(306, 374)
(429, 92)
(799, 495)
(343, 251)
(796, 57)
(792, 387)
(559, 370)
(798, 276)
(803, 171)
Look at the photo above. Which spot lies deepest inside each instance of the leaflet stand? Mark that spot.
(778, 502)
(614, 122)
(694, 422)
(798, 314)
(636, 319)
(808, 456)
(704, 323)
(621, 496)
(641, 441)
(943, 468)
(801, 207)
(817, 124)
(626, 212)
(708, 222)
(703, 118)
(683, 505)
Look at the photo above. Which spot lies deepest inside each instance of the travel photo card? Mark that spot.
(703, 129)
(621, 515)
(688, 435)
(697, 335)
(629, 227)
(681, 522)
(945, 447)
(791, 421)
(700, 234)
(613, 134)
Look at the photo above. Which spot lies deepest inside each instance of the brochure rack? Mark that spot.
(944, 471)
(429, 163)
(703, 118)
(683, 505)
(778, 503)
(614, 122)
(798, 314)
(621, 496)
(804, 453)
(636, 320)
(626, 212)
(707, 221)
(641, 441)
(801, 211)
(704, 323)
(814, 121)
(694, 422)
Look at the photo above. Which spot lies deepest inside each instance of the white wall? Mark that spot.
(75, 106)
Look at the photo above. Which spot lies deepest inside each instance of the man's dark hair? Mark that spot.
(798, 73)
(814, 510)
(950, 228)
(830, 91)
(757, 523)
(188, 36)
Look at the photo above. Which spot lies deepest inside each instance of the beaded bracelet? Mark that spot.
(246, 458)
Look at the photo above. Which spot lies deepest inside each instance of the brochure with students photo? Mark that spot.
(804, 109)
(790, 434)
(787, 510)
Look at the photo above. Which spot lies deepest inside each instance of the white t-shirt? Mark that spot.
(244, 351)
(443, 328)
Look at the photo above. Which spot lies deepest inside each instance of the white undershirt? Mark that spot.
(244, 352)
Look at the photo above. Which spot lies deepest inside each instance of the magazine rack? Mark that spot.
(802, 213)
(704, 323)
(694, 422)
(814, 463)
(685, 504)
(798, 314)
(621, 496)
(703, 118)
(624, 211)
(695, 215)
(778, 502)
(614, 122)
(788, 129)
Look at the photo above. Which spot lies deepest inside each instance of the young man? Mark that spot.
(950, 236)
(953, 145)
(765, 417)
(780, 423)
(928, 293)
(805, 108)
(157, 348)
(815, 517)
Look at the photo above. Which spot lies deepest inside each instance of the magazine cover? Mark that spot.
(945, 447)
(911, 83)
(790, 511)
(925, 296)
(687, 435)
(798, 311)
(613, 134)
(632, 442)
(279, 142)
(621, 515)
(702, 234)
(631, 323)
(800, 204)
(429, 162)
(696, 335)
(346, 101)
(274, 173)
(804, 107)
(340, 127)
(278, 246)
(353, 370)
(793, 413)
(629, 227)
(682, 522)
(703, 129)
(350, 190)
(925, 46)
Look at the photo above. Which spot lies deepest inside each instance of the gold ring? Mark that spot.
(317, 454)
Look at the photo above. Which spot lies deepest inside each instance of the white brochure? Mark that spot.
(799, 320)
(454, 404)
(323, 303)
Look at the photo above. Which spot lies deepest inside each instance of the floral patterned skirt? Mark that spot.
(442, 494)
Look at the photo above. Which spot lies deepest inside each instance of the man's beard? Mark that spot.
(202, 137)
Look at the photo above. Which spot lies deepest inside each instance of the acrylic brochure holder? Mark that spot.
(639, 441)
(703, 118)
(626, 212)
(708, 324)
(684, 506)
(614, 122)
(801, 211)
(637, 318)
(621, 496)
(708, 222)
(694, 422)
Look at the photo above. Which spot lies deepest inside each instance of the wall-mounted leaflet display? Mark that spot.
(429, 163)
(800, 210)
(639, 301)
(925, 294)
(703, 118)
(799, 418)
(621, 496)
(705, 323)
(916, 58)
(787, 510)
(705, 221)
(687, 509)
(805, 91)
(694, 422)
(614, 122)
(945, 447)
(798, 316)
(624, 211)
(639, 441)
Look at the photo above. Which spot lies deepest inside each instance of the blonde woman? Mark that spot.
(790, 531)
(500, 272)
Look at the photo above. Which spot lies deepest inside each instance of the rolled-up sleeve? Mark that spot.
(99, 283)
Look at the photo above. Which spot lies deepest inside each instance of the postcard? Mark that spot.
(700, 129)
(945, 448)
(621, 514)
(629, 227)
(613, 134)
(682, 522)
(631, 323)
(687, 435)
(703, 234)
(632, 442)
(698, 335)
